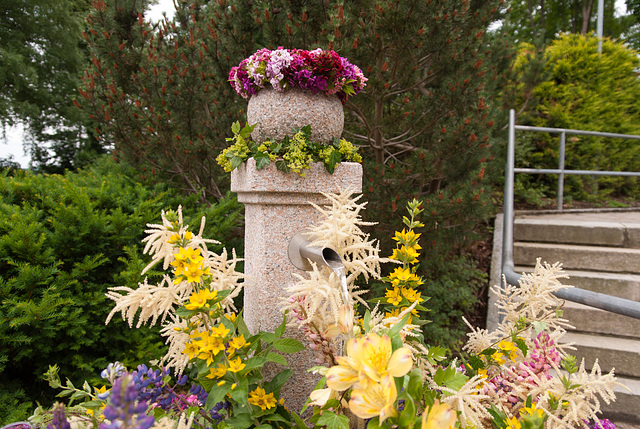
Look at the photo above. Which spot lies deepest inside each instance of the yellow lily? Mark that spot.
(376, 400)
(439, 416)
(377, 358)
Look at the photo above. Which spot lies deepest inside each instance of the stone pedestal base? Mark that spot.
(276, 208)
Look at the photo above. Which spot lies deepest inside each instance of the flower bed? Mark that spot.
(519, 376)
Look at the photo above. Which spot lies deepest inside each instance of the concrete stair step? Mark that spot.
(620, 354)
(575, 257)
(593, 320)
(625, 408)
(621, 285)
(615, 229)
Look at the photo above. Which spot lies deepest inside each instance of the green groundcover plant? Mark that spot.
(377, 371)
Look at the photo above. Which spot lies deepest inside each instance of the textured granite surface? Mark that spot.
(276, 208)
(277, 113)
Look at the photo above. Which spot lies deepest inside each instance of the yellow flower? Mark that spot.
(409, 239)
(509, 347)
(220, 331)
(174, 239)
(189, 235)
(406, 254)
(189, 265)
(218, 371)
(411, 294)
(347, 373)
(376, 400)
(231, 316)
(368, 360)
(513, 423)
(439, 416)
(236, 365)
(262, 399)
(401, 275)
(394, 296)
(199, 299)
(531, 411)
(378, 359)
(191, 350)
(237, 343)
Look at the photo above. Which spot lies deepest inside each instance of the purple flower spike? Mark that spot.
(123, 410)
(59, 418)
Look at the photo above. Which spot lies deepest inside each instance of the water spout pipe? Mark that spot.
(302, 254)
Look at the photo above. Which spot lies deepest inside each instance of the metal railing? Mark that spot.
(602, 301)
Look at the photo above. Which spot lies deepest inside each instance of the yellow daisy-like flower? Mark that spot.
(411, 294)
(406, 254)
(531, 411)
(409, 238)
(509, 348)
(236, 365)
(219, 331)
(217, 372)
(191, 350)
(262, 399)
(401, 275)
(513, 423)
(199, 299)
(237, 343)
(231, 316)
(394, 296)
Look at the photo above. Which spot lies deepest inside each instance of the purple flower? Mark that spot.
(604, 424)
(318, 71)
(59, 418)
(124, 410)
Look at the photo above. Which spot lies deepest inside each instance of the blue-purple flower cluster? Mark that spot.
(318, 71)
(124, 410)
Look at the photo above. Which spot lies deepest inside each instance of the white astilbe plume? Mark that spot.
(469, 401)
(580, 401)
(177, 337)
(159, 236)
(532, 301)
(153, 303)
(380, 323)
(320, 306)
(339, 229)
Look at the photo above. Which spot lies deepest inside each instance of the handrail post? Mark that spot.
(561, 168)
(507, 232)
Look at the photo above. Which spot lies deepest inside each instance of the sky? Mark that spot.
(11, 142)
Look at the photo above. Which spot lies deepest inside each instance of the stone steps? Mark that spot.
(599, 252)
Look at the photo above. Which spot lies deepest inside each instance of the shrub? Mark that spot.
(63, 240)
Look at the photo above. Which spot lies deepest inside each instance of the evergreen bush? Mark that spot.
(64, 239)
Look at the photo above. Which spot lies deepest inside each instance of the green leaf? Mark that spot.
(408, 414)
(262, 159)
(280, 329)
(236, 161)
(333, 421)
(240, 421)
(288, 345)
(450, 377)
(282, 166)
(243, 329)
(235, 127)
(395, 330)
(366, 321)
(269, 337)
(519, 342)
(216, 394)
(278, 381)
(241, 393)
(277, 358)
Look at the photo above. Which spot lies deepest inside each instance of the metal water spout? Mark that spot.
(302, 254)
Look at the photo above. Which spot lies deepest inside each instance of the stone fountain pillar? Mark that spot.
(276, 208)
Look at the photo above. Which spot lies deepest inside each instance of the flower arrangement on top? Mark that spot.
(319, 71)
(518, 377)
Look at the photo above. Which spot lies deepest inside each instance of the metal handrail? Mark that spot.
(602, 301)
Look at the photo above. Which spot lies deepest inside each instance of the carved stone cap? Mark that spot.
(272, 186)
